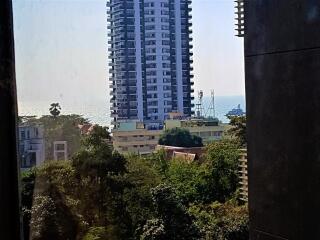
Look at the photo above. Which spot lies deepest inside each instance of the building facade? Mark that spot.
(150, 58)
(282, 69)
(60, 150)
(135, 137)
(208, 129)
(31, 145)
(142, 138)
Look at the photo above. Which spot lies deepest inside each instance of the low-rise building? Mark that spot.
(142, 138)
(136, 137)
(31, 145)
(209, 129)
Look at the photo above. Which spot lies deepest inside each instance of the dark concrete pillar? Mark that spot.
(9, 191)
(282, 60)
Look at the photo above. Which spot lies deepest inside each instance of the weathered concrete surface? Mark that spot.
(9, 192)
(282, 60)
(274, 25)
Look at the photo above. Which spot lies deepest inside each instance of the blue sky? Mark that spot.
(61, 51)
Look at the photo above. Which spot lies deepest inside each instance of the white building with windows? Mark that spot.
(31, 145)
(150, 59)
(135, 137)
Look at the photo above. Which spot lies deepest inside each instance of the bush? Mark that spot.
(188, 179)
(218, 221)
(173, 221)
(99, 233)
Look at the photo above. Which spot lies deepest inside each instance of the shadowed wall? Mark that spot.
(9, 191)
(282, 60)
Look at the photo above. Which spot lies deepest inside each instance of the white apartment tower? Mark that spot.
(150, 58)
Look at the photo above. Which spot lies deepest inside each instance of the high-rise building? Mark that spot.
(150, 58)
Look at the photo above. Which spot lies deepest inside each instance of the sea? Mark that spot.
(98, 112)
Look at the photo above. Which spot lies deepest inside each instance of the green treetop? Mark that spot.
(55, 109)
(180, 138)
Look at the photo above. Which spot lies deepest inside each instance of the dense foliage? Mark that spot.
(239, 129)
(178, 137)
(101, 194)
(214, 178)
(222, 165)
(173, 221)
(219, 221)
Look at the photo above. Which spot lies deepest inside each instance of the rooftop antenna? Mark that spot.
(199, 105)
(212, 110)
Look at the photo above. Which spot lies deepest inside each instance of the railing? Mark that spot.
(243, 174)
(239, 18)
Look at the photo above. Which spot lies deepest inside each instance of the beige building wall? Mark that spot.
(134, 137)
(137, 141)
(207, 133)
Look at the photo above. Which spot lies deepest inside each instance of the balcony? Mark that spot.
(114, 114)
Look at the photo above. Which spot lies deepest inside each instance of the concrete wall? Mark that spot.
(138, 141)
(282, 60)
(207, 133)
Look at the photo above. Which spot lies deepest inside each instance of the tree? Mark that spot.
(188, 179)
(55, 109)
(99, 173)
(160, 162)
(140, 178)
(44, 223)
(180, 138)
(51, 218)
(55, 182)
(102, 233)
(99, 135)
(97, 233)
(101, 194)
(217, 221)
(27, 189)
(239, 129)
(222, 170)
(154, 230)
(172, 221)
(214, 178)
(96, 155)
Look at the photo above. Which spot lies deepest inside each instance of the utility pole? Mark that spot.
(10, 218)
